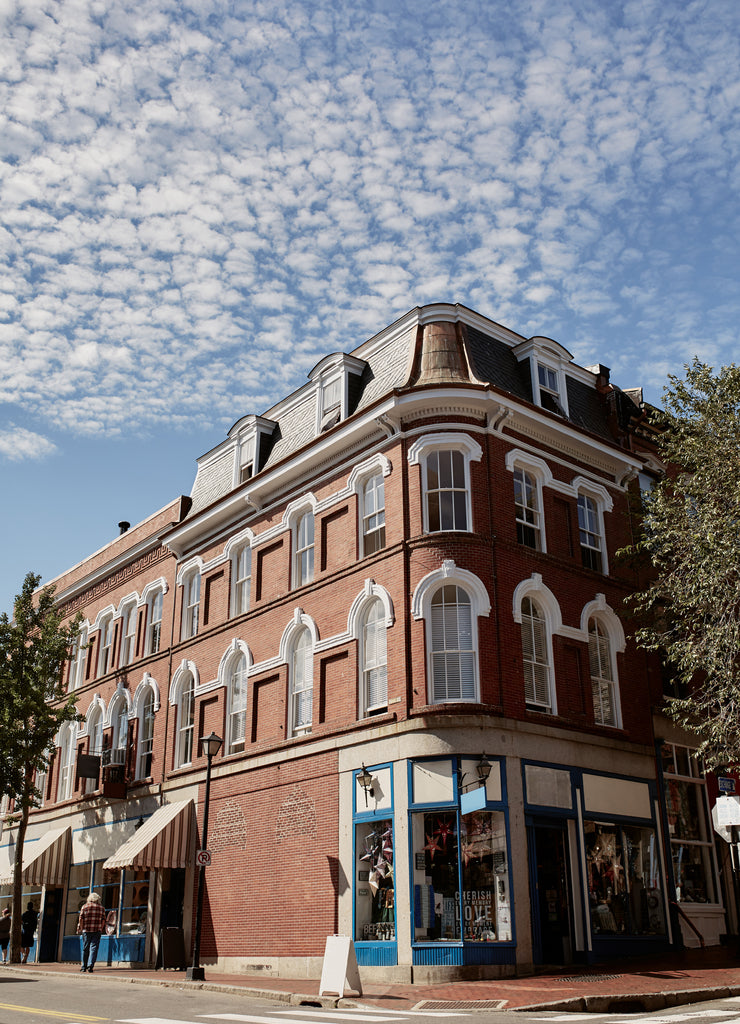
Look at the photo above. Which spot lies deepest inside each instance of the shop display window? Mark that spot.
(691, 835)
(624, 886)
(461, 877)
(375, 913)
(124, 895)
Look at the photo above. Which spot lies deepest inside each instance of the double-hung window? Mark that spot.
(146, 736)
(589, 530)
(191, 604)
(241, 576)
(689, 827)
(304, 550)
(67, 761)
(374, 656)
(128, 635)
(154, 621)
(526, 504)
(535, 657)
(185, 720)
(105, 652)
(237, 704)
(603, 675)
(444, 460)
(453, 657)
(301, 684)
(373, 514)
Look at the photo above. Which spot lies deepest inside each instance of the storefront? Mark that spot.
(597, 871)
(44, 872)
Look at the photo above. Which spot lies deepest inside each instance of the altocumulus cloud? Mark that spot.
(17, 444)
(199, 200)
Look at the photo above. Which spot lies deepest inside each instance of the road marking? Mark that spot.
(50, 1013)
(301, 1013)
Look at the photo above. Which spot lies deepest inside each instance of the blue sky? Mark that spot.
(199, 200)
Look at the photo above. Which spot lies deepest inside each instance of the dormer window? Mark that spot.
(248, 440)
(334, 377)
(246, 472)
(548, 362)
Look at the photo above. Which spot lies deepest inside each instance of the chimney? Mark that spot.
(123, 526)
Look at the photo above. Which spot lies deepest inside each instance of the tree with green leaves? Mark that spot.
(34, 647)
(690, 609)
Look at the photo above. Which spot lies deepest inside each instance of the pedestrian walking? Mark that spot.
(90, 926)
(28, 927)
(5, 933)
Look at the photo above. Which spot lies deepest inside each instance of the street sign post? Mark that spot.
(203, 858)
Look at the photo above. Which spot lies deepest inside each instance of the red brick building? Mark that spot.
(403, 574)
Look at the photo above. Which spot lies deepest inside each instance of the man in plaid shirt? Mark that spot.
(90, 925)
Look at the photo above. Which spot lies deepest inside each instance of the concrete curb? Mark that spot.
(632, 1002)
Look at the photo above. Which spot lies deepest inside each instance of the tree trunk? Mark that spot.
(15, 928)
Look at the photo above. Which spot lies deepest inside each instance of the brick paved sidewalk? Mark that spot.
(647, 984)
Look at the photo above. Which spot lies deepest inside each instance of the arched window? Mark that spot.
(185, 721)
(241, 579)
(94, 740)
(146, 735)
(105, 651)
(374, 659)
(237, 704)
(445, 475)
(453, 656)
(535, 655)
(190, 604)
(527, 507)
(66, 760)
(79, 660)
(118, 714)
(304, 550)
(603, 675)
(301, 684)
(154, 605)
(373, 514)
(128, 634)
(590, 534)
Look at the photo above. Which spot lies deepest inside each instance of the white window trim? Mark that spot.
(232, 551)
(607, 618)
(541, 473)
(236, 649)
(186, 667)
(463, 443)
(147, 599)
(65, 781)
(293, 516)
(543, 597)
(603, 503)
(379, 465)
(355, 628)
(79, 661)
(480, 605)
(128, 605)
(187, 572)
(287, 643)
(105, 619)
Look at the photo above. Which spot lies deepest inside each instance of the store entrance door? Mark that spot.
(551, 912)
(48, 927)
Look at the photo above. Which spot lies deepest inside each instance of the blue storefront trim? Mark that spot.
(126, 948)
(459, 955)
(376, 954)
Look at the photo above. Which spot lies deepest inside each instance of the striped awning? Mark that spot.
(163, 841)
(45, 862)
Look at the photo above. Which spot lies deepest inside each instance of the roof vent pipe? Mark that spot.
(123, 526)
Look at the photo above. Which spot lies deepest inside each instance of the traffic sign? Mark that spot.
(203, 858)
(725, 785)
(725, 814)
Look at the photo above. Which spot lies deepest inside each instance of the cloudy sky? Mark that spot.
(200, 199)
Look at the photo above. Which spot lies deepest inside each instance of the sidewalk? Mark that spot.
(618, 985)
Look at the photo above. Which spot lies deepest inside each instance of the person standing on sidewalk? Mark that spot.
(5, 933)
(90, 925)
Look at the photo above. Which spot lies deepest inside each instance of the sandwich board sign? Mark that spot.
(340, 969)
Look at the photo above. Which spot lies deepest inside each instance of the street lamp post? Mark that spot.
(211, 746)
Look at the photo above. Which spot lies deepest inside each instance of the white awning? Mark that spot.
(163, 841)
(45, 861)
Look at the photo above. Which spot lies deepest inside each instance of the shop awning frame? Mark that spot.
(45, 861)
(163, 841)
